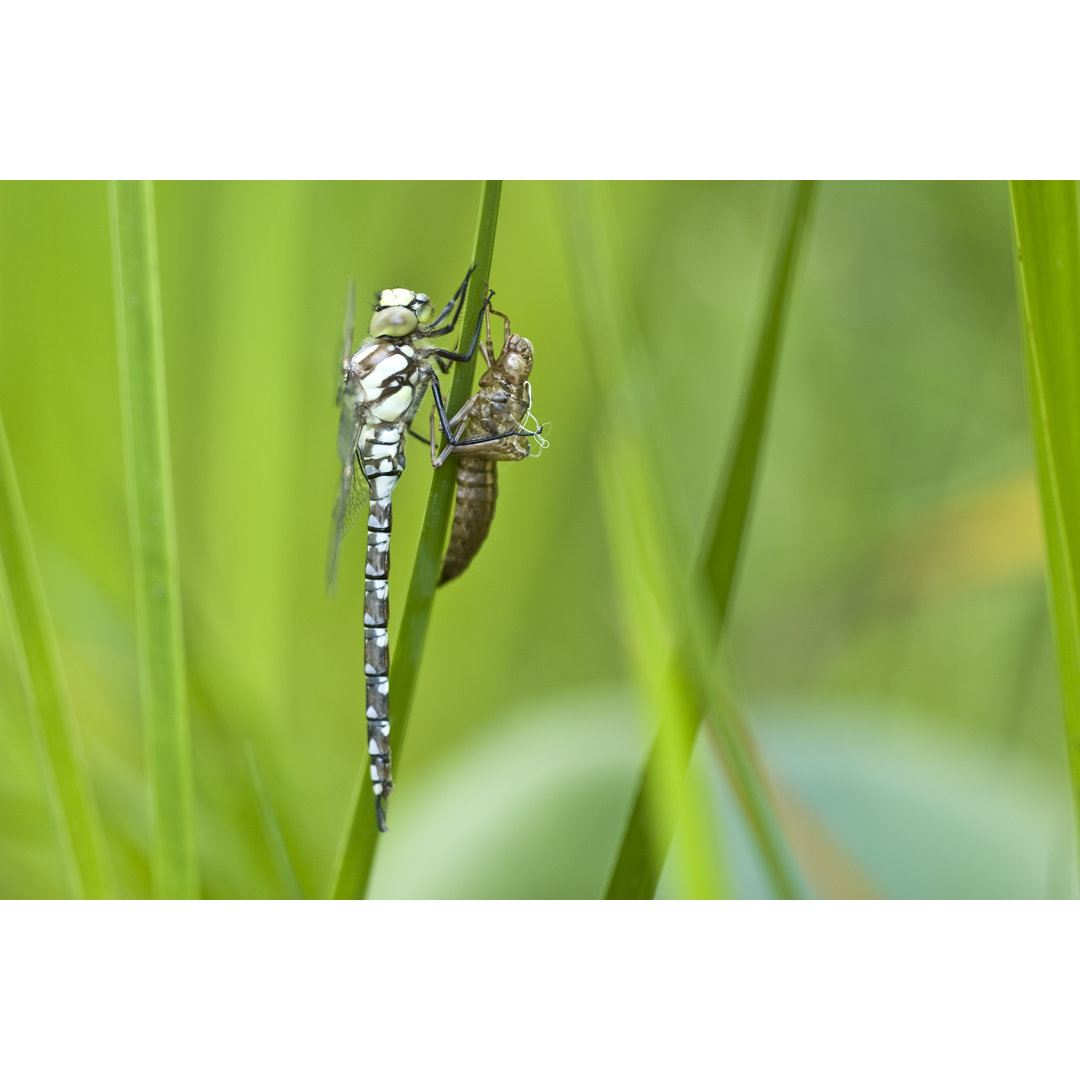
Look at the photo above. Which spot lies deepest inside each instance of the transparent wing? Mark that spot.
(358, 498)
(347, 336)
(353, 493)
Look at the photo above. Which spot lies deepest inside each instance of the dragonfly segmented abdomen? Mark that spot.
(382, 457)
(502, 403)
(474, 509)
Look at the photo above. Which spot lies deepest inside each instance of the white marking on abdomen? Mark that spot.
(383, 484)
(380, 449)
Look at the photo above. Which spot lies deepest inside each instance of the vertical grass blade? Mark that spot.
(38, 661)
(731, 512)
(1047, 234)
(157, 577)
(288, 882)
(666, 683)
(703, 602)
(358, 845)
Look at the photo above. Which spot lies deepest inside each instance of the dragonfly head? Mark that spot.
(517, 359)
(399, 313)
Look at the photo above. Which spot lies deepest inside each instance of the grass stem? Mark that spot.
(357, 851)
(696, 605)
(1047, 232)
(153, 531)
(37, 659)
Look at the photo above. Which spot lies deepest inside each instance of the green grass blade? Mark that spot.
(649, 828)
(37, 658)
(1047, 233)
(275, 841)
(157, 576)
(358, 845)
(653, 623)
(724, 539)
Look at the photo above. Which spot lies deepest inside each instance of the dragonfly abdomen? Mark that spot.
(474, 509)
(382, 457)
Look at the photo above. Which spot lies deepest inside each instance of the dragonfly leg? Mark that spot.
(488, 352)
(448, 431)
(426, 439)
(443, 355)
(461, 419)
(506, 325)
(505, 435)
(457, 300)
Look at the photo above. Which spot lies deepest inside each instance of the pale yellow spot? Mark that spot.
(393, 407)
(391, 297)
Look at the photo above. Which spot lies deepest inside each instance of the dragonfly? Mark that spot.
(382, 386)
(502, 402)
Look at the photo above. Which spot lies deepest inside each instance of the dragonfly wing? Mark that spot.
(353, 493)
(347, 336)
(358, 498)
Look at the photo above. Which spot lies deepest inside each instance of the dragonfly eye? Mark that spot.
(393, 322)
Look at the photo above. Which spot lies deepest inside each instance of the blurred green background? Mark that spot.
(889, 645)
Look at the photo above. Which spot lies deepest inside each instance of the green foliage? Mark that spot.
(689, 686)
(1048, 261)
(726, 536)
(275, 842)
(888, 656)
(159, 638)
(37, 661)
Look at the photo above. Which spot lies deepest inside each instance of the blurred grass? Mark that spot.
(275, 842)
(669, 687)
(726, 534)
(361, 835)
(893, 575)
(726, 537)
(1048, 269)
(68, 787)
(694, 631)
(163, 676)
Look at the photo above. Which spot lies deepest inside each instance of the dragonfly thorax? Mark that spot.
(380, 381)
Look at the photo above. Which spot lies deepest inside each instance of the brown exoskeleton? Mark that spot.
(501, 403)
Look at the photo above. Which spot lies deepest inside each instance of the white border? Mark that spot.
(773, 89)
(503, 990)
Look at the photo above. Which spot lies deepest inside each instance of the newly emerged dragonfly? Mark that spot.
(381, 388)
(503, 402)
